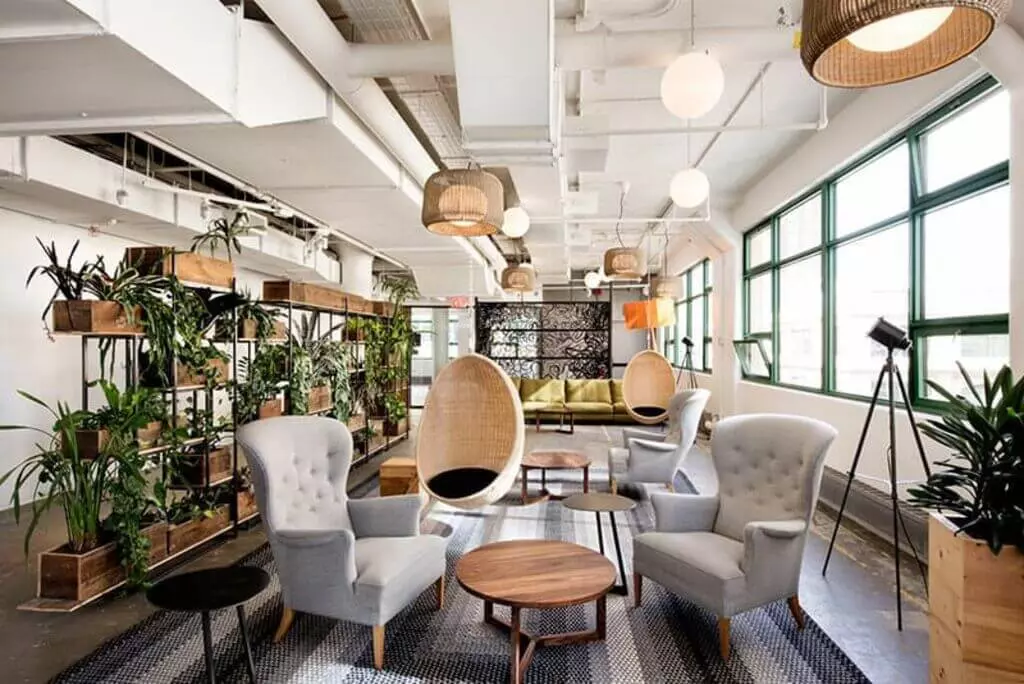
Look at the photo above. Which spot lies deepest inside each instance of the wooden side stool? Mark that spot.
(398, 476)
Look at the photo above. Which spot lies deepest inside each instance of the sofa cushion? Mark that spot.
(517, 381)
(620, 407)
(534, 406)
(589, 407)
(588, 391)
(617, 396)
(542, 389)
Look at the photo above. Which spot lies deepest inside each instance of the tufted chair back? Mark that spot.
(300, 470)
(769, 468)
(684, 411)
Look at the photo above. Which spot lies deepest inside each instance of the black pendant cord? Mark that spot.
(890, 372)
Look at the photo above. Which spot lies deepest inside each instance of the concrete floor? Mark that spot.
(855, 604)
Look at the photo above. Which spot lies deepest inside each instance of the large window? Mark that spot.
(693, 320)
(917, 232)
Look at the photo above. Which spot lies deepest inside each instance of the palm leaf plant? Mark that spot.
(259, 380)
(69, 282)
(59, 477)
(221, 232)
(980, 488)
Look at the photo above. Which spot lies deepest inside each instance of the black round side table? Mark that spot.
(205, 590)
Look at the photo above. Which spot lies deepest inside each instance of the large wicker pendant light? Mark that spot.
(463, 202)
(624, 263)
(864, 43)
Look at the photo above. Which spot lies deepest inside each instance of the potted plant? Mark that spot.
(396, 410)
(259, 383)
(192, 266)
(196, 517)
(221, 233)
(976, 533)
(145, 406)
(245, 498)
(255, 322)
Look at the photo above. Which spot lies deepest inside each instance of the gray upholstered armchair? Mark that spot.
(656, 456)
(361, 560)
(742, 547)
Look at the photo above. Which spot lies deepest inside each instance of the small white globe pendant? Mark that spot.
(690, 188)
(692, 85)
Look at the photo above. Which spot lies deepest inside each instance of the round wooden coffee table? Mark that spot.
(536, 573)
(598, 503)
(553, 459)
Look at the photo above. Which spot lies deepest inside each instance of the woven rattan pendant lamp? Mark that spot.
(463, 203)
(469, 444)
(864, 43)
(521, 278)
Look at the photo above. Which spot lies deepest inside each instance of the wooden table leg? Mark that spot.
(525, 471)
(586, 479)
(516, 664)
(602, 618)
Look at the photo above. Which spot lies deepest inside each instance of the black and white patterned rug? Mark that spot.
(666, 640)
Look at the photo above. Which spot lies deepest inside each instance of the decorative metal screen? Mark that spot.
(547, 340)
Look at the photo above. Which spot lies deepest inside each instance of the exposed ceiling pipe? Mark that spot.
(308, 28)
(774, 128)
(575, 51)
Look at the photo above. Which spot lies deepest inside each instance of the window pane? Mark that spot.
(800, 228)
(760, 304)
(977, 353)
(971, 141)
(966, 257)
(800, 325)
(873, 192)
(697, 328)
(708, 334)
(872, 280)
(752, 359)
(709, 274)
(759, 247)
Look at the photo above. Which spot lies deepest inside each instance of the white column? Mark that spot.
(727, 308)
(1017, 231)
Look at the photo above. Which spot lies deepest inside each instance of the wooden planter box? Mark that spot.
(384, 309)
(149, 436)
(187, 534)
(379, 439)
(319, 399)
(271, 409)
(92, 442)
(192, 470)
(89, 316)
(190, 267)
(356, 422)
(357, 335)
(246, 503)
(304, 293)
(395, 429)
(247, 329)
(81, 576)
(976, 609)
(217, 369)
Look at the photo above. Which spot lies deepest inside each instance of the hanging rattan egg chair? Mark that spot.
(647, 386)
(470, 439)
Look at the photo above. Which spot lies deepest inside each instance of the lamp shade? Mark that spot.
(692, 85)
(864, 43)
(624, 263)
(690, 188)
(592, 280)
(649, 313)
(520, 278)
(666, 287)
(515, 222)
(463, 202)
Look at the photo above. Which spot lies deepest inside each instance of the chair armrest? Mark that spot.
(684, 512)
(650, 445)
(386, 516)
(773, 548)
(652, 461)
(299, 550)
(633, 433)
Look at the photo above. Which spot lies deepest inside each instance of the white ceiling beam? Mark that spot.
(22, 33)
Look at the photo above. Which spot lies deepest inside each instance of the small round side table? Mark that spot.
(203, 591)
(599, 502)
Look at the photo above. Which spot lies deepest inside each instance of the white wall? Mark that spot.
(48, 369)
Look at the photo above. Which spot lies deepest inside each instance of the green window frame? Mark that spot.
(697, 288)
(920, 327)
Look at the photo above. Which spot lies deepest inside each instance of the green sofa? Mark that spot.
(595, 401)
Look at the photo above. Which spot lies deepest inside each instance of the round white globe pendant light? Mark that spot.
(690, 188)
(692, 85)
(592, 280)
(515, 222)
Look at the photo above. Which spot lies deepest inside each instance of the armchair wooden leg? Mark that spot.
(638, 585)
(723, 637)
(439, 587)
(287, 616)
(796, 610)
(378, 647)
(670, 487)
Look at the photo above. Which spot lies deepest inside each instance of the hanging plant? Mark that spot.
(221, 233)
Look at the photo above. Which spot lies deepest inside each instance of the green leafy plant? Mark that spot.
(220, 232)
(300, 382)
(251, 309)
(981, 487)
(176, 328)
(62, 478)
(195, 505)
(260, 380)
(395, 408)
(69, 282)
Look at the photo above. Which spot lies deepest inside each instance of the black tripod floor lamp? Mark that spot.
(892, 338)
(687, 366)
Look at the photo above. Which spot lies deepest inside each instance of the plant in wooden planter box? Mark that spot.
(245, 497)
(259, 382)
(253, 320)
(196, 517)
(354, 330)
(976, 549)
(189, 267)
(388, 343)
(396, 410)
(220, 233)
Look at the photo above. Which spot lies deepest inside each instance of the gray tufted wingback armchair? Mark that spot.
(361, 560)
(742, 547)
(657, 456)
